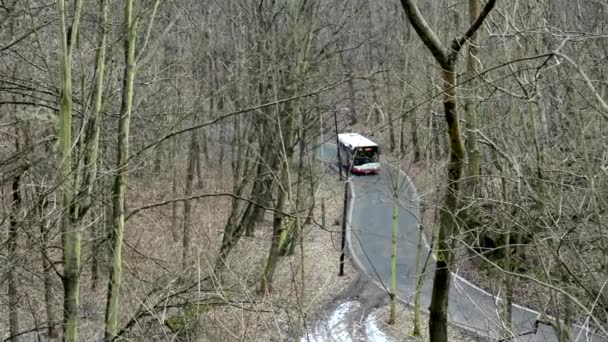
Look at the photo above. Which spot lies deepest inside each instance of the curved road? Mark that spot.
(370, 230)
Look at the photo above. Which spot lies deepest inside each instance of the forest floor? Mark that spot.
(161, 294)
(276, 316)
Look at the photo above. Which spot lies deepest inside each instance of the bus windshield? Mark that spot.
(366, 155)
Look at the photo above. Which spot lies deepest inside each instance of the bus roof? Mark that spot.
(354, 140)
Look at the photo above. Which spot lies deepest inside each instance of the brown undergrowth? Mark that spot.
(238, 312)
(467, 262)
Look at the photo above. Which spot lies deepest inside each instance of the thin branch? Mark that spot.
(149, 28)
(144, 311)
(187, 198)
(425, 31)
(29, 331)
(28, 103)
(587, 81)
(25, 35)
(234, 113)
(405, 112)
(575, 300)
(459, 43)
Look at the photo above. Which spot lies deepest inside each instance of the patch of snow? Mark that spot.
(343, 325)
(336, 328)
(372, 331)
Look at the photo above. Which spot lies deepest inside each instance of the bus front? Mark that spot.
(367, 160)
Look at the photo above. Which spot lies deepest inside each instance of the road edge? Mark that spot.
(359, 265)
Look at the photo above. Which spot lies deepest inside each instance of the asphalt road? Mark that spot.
(370, 231)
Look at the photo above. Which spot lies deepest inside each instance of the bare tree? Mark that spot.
(446, 58)
(120, 182)
(71, 231)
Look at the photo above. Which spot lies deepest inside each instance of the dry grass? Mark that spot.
(153, 259)
(155, 286)
(152, 256)
(274, 317)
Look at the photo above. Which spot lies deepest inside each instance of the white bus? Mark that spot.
(358, 154)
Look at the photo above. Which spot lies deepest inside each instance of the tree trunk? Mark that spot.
(265, 285)
(473, 68)
(91, 142)
(565, 331)
(205, 145)
(393, 285)
(281, 161)
(158, 159)
(47, 271)
(174, 172)
(265, 163)
(447, 59)
(292, 237)
(420, 273)
(222, 142)
(507, 278)
(175, 205)
(261, 194)
(12, 239)
(391, 116)
(253, 213)
(352, 113)
(402, 143)
(405, 94)
(71, 232)
(241, 162)
(370, 61)
(11, 244)
(507, 294)
(435, 138)
(197, 163)
(415, 143)
(95, 252)
(376, 105)
(231, 235)
(187, 204)
(441, 283)
(120, 182)
(436, 135)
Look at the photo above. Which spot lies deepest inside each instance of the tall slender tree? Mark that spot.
(187, 221)
(92, 134)
(471, 103)
(446, 58)
(13, 236)
(71, 232)
(120, 182)
(394, 239)
(119, 192)
(12, 242)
